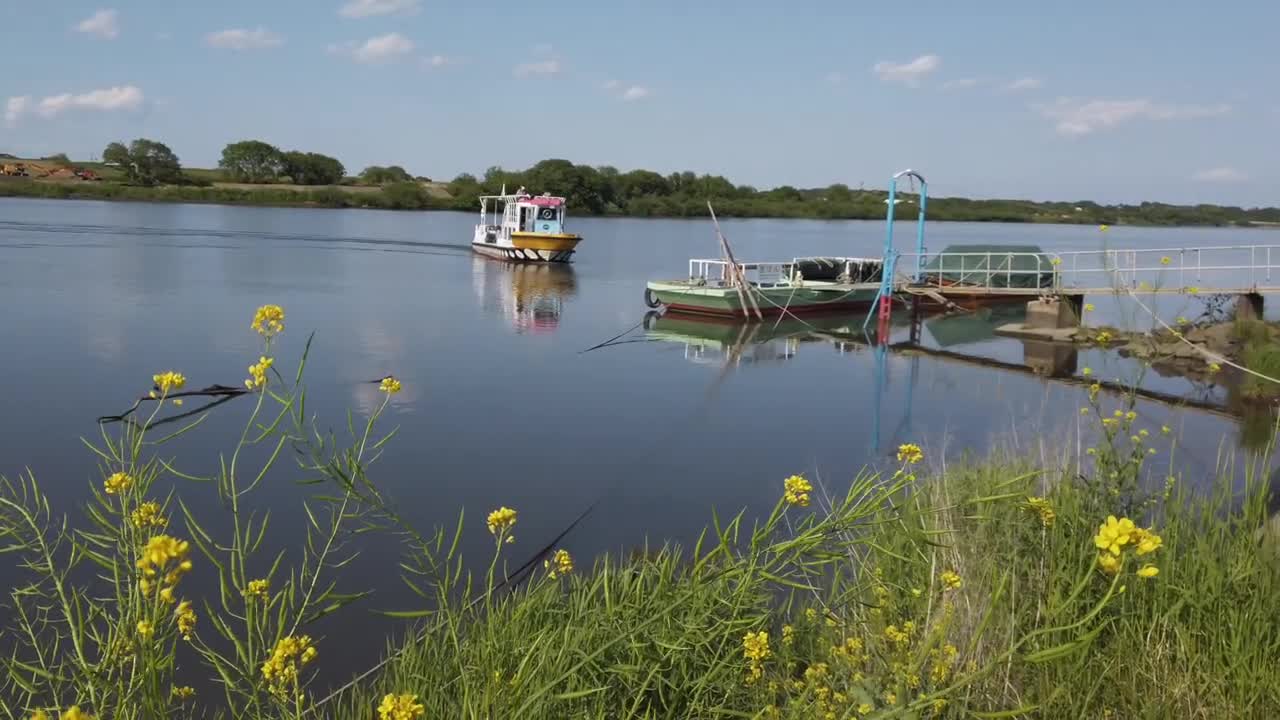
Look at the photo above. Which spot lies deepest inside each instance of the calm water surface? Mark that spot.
(500, 406)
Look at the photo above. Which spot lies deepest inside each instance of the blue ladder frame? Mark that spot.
(889, 257)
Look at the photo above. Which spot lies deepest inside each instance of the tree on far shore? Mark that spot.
(145, 162)
(252, 161)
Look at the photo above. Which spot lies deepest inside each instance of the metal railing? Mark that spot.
(1231, 268)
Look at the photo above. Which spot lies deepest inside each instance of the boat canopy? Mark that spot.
(997, 266)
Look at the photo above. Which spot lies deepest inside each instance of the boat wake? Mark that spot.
(207, 238)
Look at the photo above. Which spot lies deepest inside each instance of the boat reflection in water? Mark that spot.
(718, 341)
(530, 295)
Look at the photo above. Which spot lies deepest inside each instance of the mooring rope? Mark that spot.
(1212, 356)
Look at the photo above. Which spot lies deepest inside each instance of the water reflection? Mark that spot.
(530, 295)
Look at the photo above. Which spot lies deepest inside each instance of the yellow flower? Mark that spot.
(75, 713)
(260, 589)
(1104, 337)
(1148, 571)
(164, 560)
(117, 483)
(186, 617)
(389, 385)
(1164, 430)
(400, 707)
(1131, 416)
(268, 320)
(1165, 260)
(1108, 563)
(1056, 261)
(1091, 451)
(560, 563)
(1214, 367)
(951, 580)
(1147, 541)
(1114, 534)
(281, 669)
(1086, 372)
(1084, 411)
(169, 380)
(258, 373)
(145, 630)
(147, 515)
(910, 453)
(39, 715)
(866, 709)
(1193, 290)
(1183, 321)
(755, 646)
(186, 692)
(890, 698)
(501, 520)
(1103, 228)
(1117, 413)
(177, 402)
(1088, 307)
(795, 491)
(1043, 508)
(1108, 422)
(755, 650)
(1093, 390)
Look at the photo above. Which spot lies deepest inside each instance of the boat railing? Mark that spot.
(766, 274)
(716, 272)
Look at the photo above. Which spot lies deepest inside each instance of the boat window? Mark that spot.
(547, 213)
(524, 218)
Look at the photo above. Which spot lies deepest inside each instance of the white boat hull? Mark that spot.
(515, 254)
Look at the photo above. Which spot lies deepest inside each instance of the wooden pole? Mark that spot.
(739, 278)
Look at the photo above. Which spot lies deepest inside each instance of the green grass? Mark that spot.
(1036, 626)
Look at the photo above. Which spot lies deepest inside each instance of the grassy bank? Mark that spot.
(398, 196)
(1079, 587)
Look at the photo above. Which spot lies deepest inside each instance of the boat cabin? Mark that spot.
(521, 213)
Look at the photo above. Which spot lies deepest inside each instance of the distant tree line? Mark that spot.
(602, 190)
(644, 193)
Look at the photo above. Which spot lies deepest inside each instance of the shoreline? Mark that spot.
(398, 197)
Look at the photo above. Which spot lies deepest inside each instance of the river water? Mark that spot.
(500, 405)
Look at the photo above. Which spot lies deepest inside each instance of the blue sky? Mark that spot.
(1118, 102)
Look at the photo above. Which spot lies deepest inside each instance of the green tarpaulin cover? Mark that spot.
(1018, 266)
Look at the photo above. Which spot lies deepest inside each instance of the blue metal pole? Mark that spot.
(924, 197)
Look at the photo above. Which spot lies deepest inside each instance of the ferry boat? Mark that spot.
(524, 228)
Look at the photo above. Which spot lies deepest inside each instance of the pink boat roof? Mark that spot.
(543, 201)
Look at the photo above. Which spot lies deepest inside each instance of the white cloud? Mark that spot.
(102, 23)
(635, 92)
(908, 73)
(125, 97)
(539, 67)
(370, 8)
(1220, 175)
(378, 49)
(612, 85)
(961, 83)
(438, 61)
(834, 78)
(242, 39)
(14, 108)
(1023, 84)
(1075, 116)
